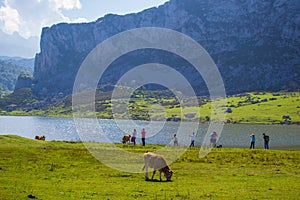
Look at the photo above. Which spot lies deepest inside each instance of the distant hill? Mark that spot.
(19, 61)
(15, 44)
(11, 68)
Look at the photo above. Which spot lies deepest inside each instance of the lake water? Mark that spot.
(233, 135)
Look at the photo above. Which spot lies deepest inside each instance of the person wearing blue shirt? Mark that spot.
(252, 144)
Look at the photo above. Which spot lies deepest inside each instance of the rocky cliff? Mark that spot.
(24, 81)
(254, 43)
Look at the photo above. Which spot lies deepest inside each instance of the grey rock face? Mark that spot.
(255, 44)
(24, 81)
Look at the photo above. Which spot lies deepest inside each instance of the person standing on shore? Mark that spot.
(213, 139)
(266, 141)
(192, 140)
(143, 132)
(133, 136)
(252, 140)
(175, 140)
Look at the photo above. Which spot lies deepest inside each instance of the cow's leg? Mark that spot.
(153, 173)
(159, 175)
(146, 173)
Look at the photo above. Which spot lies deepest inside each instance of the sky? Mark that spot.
(21, 21)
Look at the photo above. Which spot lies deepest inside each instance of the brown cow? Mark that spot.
(40, 137)
(157, 162)
(126, 138)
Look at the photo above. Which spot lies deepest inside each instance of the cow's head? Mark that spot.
(168, 174)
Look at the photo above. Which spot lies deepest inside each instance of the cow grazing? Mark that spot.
(126, 138)
(157, 162)
(40, 137)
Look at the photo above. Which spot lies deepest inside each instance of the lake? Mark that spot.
(233, 135)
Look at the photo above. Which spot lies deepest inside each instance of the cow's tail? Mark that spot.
(143, 168)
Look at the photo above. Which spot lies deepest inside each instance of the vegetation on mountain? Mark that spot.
(21, 99)
(9, 73)
(252, 108)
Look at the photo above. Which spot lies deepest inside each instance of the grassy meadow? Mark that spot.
(66, 170)
(251, 108)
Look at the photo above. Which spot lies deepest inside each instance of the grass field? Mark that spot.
(251, 108)
(65, 170)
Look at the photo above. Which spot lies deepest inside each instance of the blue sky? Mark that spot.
(21, 21)
(27, 17)
(93, 9)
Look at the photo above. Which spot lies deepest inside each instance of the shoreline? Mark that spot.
(151, 145)
(200, 122)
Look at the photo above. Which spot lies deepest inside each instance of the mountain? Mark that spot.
(255, 44)
(10, 69)
(14, 44)
(19, 61)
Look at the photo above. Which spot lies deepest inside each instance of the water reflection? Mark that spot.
(232, 135)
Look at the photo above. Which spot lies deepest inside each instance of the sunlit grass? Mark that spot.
(66, 170)
(254, 108)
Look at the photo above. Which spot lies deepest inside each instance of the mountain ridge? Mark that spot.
(255, 44)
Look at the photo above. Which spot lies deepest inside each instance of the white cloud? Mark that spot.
(68, 4)
(28, 17)
(79, 20)
(10, 19)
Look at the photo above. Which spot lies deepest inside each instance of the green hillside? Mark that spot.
(259, 107)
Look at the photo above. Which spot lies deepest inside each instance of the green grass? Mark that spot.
(66, 170)
(248, 108)
(252, 108)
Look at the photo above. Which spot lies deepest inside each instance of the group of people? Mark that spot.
(213, 139)
(266, 139)
(134, 135)
(175, 139)
(143, 133)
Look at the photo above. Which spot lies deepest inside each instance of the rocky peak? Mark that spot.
(24, 81)
(255, 44)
